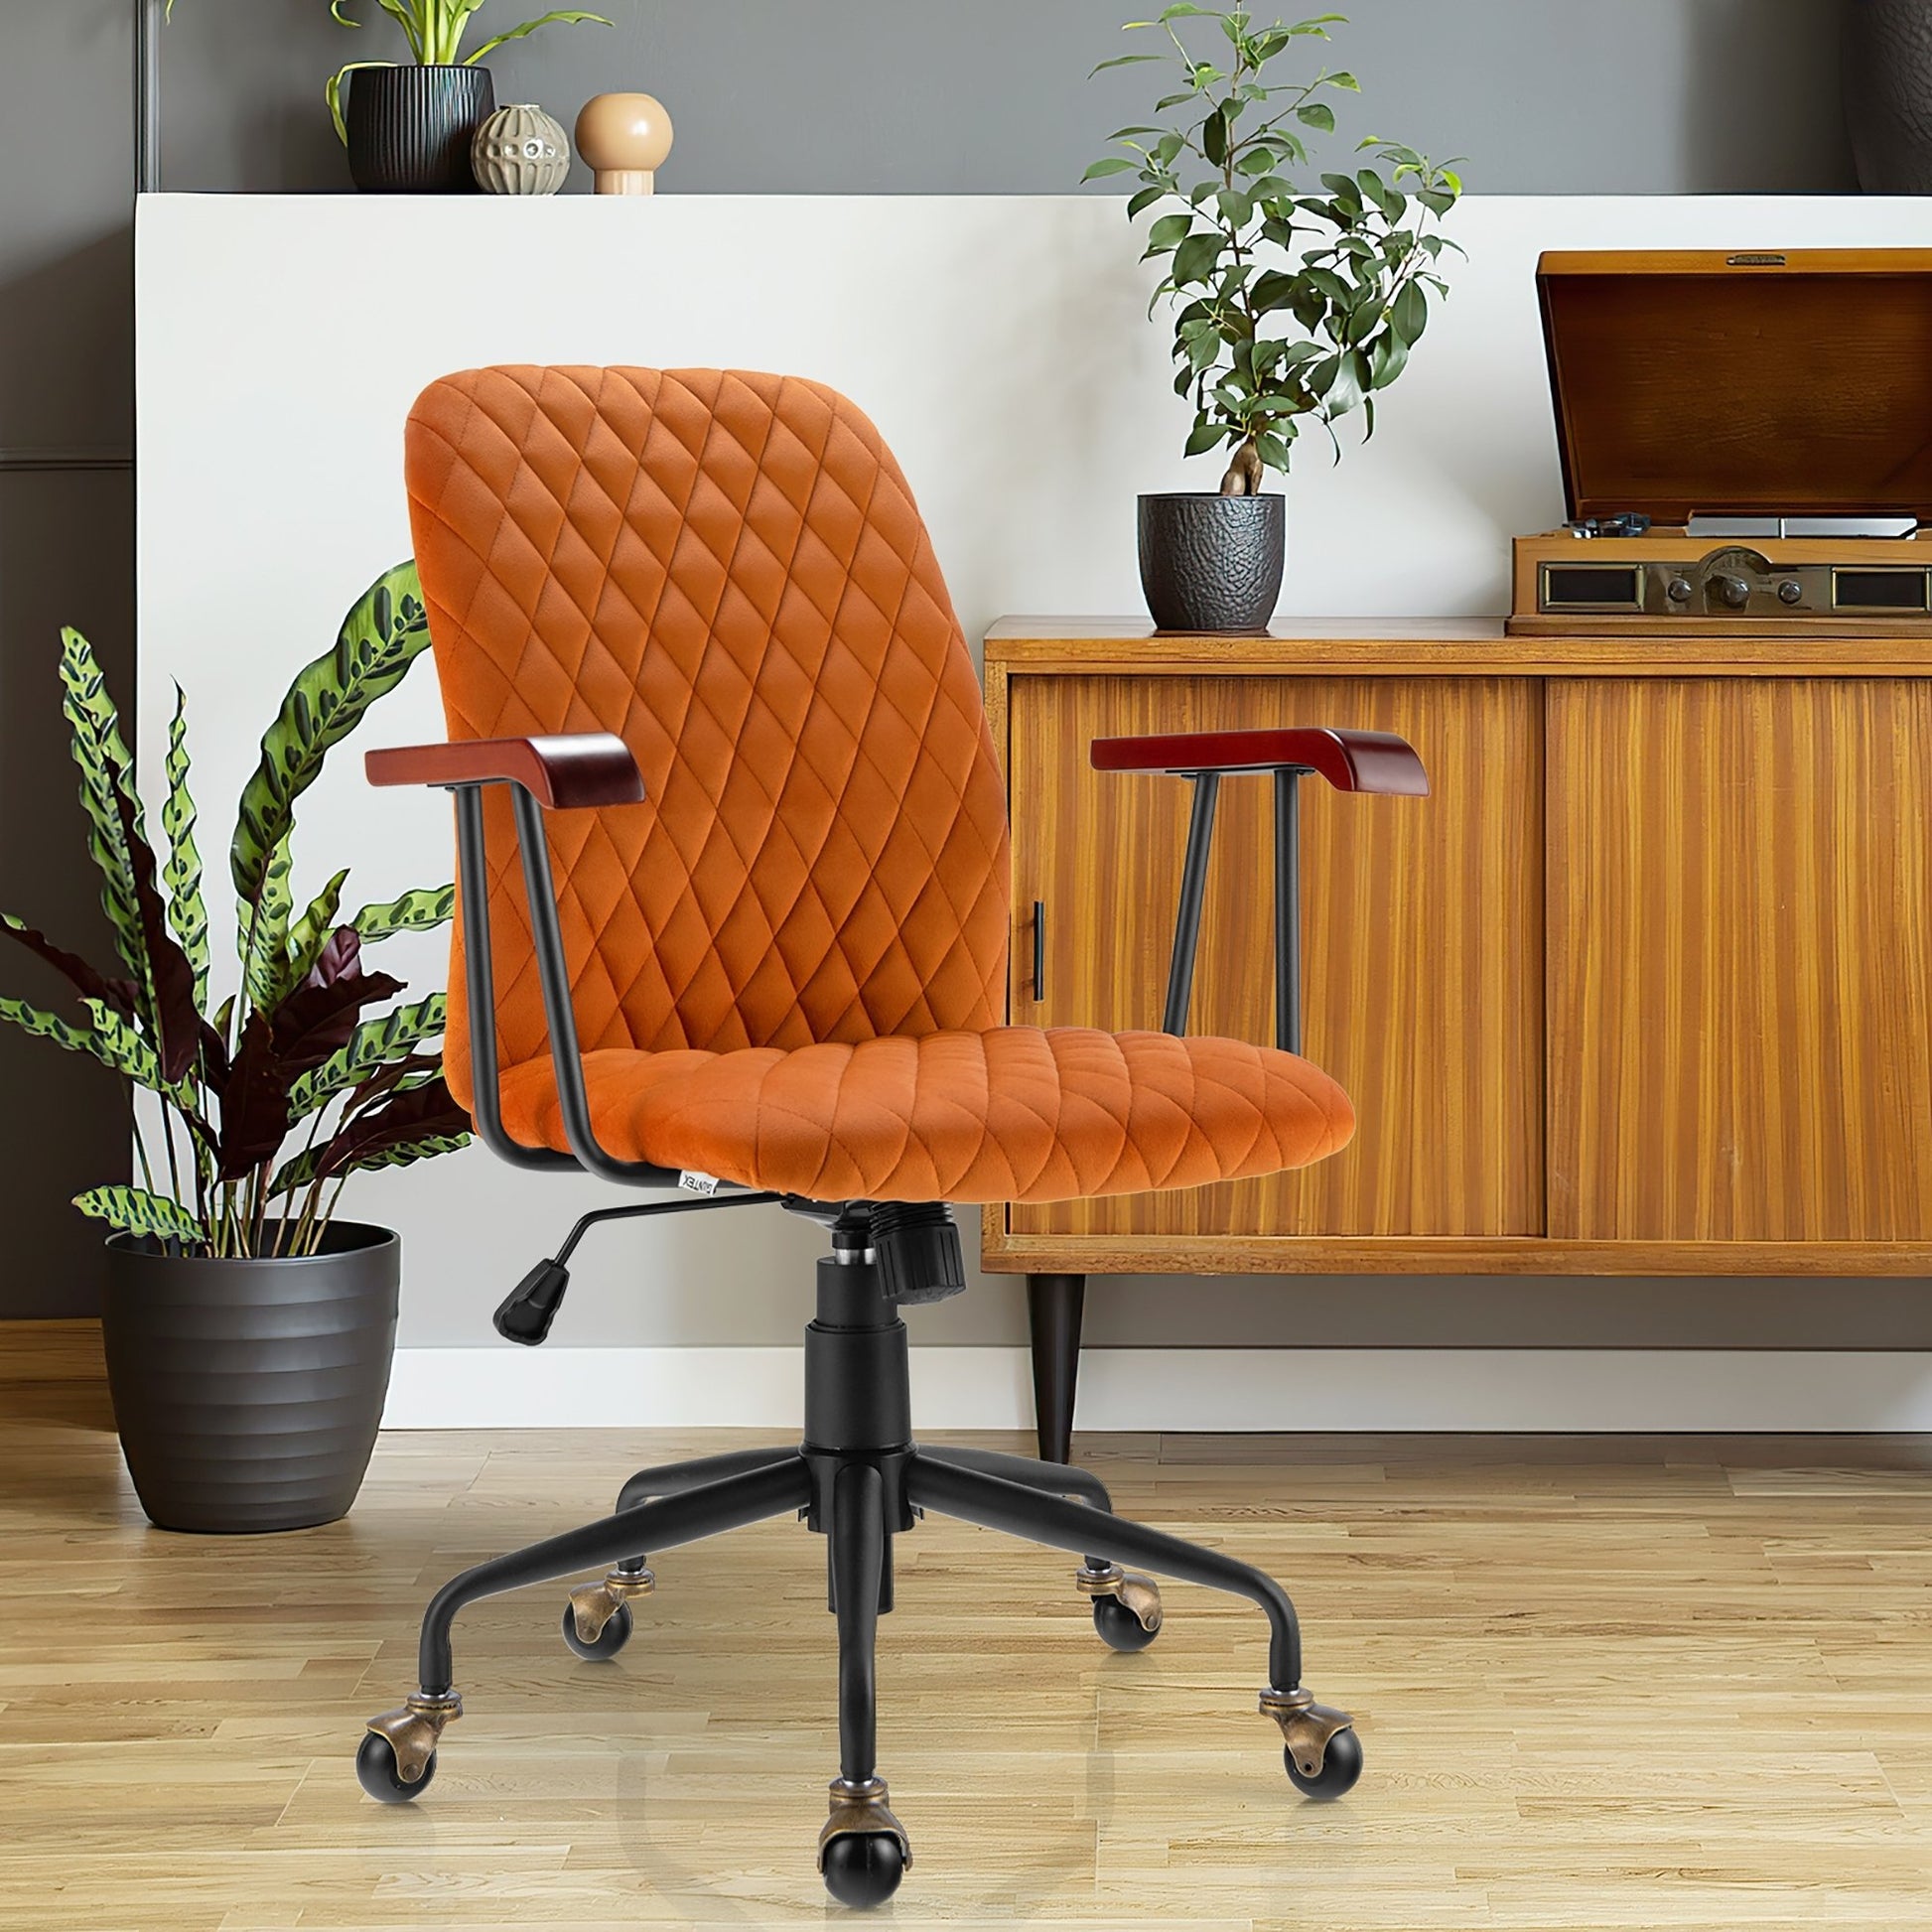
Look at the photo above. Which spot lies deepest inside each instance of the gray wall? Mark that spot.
(812, 95)
(866, 96)
(66, 557)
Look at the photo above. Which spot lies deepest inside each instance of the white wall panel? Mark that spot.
(1002, 346)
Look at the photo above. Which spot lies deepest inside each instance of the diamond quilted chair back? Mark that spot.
(728, 572)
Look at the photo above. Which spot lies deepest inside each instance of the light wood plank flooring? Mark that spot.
(1601, 1684)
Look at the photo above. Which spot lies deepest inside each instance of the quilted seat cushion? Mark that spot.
(1010, 1113)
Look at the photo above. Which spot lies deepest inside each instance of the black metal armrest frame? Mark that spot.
(558, 765)
(1350, 761)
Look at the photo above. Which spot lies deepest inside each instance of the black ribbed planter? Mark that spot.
(410, 128)
(247, 1393)
(1212, 563)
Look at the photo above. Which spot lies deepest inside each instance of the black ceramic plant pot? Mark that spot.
(410, 128)
(247, 1393)
(1887, 76)
(1212, 563)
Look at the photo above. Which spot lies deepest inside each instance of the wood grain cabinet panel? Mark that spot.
(1643, 988)
(1738, 906)
(1422, 936)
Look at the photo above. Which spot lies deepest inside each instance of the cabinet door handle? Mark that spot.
(1039, 949)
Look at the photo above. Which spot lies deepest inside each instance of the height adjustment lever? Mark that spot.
(526, 1312)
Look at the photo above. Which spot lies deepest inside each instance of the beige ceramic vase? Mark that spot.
(520, 150)
(624, 139)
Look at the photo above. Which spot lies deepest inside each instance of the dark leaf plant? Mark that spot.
(435, 30)
(1287, 304)
(272, 1099)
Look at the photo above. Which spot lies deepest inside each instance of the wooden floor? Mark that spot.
(1600, 1684)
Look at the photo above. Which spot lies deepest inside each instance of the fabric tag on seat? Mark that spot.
(694, 1183)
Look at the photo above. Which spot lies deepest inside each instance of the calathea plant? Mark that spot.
(1287, 304)
(271, 1099)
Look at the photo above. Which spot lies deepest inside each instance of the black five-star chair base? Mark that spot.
(859, 1478)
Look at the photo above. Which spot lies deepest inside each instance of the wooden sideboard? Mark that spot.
(1643, 988)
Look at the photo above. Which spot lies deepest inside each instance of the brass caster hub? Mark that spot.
(397, 1757)
(859, 1807)
(863, 1851)
(592, 1606)
(1323, 1755)
(1126, 1607)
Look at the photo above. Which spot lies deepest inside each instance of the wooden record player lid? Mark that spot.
(1761, 383)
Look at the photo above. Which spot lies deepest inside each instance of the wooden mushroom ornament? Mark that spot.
(624, 139)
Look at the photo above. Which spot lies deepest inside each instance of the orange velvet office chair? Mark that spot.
(706, 695)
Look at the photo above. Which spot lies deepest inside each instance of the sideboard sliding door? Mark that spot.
(1740, 959)
(1423, 935)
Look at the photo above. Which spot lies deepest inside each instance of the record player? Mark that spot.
(1745, 439)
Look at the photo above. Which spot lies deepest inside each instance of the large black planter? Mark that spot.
(1887, 79)
(410, 128)
(247, 1393)
(1212, 563)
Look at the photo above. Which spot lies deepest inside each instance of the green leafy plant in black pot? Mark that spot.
(249, 1329)
(1289, 306)
(408, 125)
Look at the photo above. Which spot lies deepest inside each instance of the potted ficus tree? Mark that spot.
(249, 1327)
(408, 125)
(1288, 305)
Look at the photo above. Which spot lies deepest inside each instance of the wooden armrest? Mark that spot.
(563, 772)
(558, 773)
(1350, 761)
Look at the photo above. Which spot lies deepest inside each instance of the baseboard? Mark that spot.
(1386, 1390)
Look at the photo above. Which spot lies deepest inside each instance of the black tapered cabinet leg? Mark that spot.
(1055, 1304)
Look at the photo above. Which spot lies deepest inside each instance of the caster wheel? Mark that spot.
(1341, 1767)
(610, 1639)
(864, 1869)
(376, 1773)
(1119, 1628)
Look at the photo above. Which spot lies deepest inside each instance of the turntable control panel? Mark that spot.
(1732, 582)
